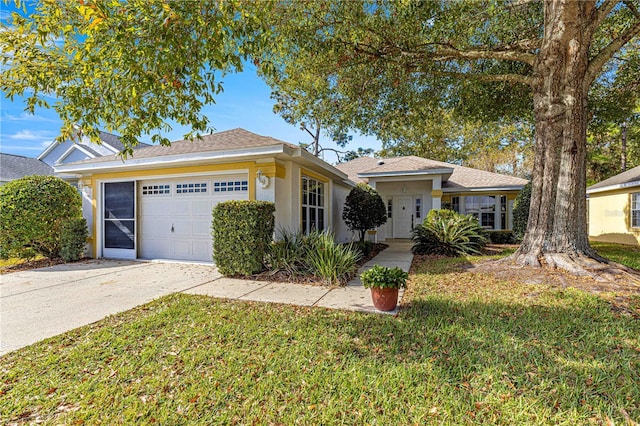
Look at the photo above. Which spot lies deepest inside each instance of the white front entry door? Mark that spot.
(402, 217)
(175, 215)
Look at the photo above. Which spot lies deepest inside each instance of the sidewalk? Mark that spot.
(353, 297)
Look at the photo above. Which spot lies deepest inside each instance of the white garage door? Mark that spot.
(174, 216)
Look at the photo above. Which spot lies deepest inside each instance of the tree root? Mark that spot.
(580, 265)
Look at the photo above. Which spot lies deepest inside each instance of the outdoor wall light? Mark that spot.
(263, 180)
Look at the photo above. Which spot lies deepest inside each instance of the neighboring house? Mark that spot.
(14, 167)
(158, 203)
(69, 151)
(411, 186)
(614, 209)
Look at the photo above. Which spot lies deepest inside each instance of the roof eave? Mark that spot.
(407, 172)
(614, 187)
(485, 188)
(174, 159)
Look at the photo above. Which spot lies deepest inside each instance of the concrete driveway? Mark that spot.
(45, 302)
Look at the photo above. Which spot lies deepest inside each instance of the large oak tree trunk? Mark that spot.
(557, 230)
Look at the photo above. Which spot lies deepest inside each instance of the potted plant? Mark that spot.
(384, 283)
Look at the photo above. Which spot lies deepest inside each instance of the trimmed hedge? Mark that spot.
(521, 212)
(242, 234)
(33, 210)
(502, 237)
(73, 239)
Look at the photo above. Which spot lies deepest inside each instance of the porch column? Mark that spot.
(436, 193)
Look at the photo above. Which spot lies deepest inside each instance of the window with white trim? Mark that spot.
(230, 186)
(156, 189)
(418, 208)
(635, 210)
(390, 209)
(483, 207)
(191, 188)
(455, 204)
(313, 205)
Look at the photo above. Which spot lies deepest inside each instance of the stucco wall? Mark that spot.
(609, 218)
(342, 233)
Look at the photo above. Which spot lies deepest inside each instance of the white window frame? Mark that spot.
(320, 205)
(635, 208)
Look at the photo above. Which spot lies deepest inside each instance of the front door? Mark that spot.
(119, 220)
(402, 217)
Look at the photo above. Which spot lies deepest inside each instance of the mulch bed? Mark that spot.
(282, 276)
(31, 264)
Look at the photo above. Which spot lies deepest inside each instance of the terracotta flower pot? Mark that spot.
(384, 299)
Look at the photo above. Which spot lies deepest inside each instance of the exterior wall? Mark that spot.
(610, 217)
(75, 155)
(416, 189)
(52, 156)
(511, 196)
(342, 233)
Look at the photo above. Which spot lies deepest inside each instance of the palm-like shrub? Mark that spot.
(445, 232)
(334, 263)
(315, 254)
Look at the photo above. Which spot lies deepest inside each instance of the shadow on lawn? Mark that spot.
(569, 357)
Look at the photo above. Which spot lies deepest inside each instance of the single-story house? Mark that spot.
(14, 167)
(411, 186)
(614, 209)
(70, 151)
(158, 203)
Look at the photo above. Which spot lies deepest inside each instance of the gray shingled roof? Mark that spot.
(461, 177)
(628, 178)
(221, 141)
(16, 166)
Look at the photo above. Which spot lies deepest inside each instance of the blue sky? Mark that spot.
(244, 103)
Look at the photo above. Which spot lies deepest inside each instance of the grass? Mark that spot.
(465, 349)
(624, 254)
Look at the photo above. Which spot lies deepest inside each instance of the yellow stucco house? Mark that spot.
(157, 204)
(614, 209)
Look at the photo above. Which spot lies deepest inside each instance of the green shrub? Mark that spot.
(364, 210)
(287, 253)
(33, 210)
(502, 237)
(384, 277)
(242, 233)
(364, 247)
(334, 263)
(313, 255)
(73, 239)
(448, 233)
(521, 212)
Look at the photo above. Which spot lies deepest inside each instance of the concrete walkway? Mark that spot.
(353, 297)
(42, 303)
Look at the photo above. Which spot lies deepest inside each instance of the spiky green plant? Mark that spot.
(450, 234)
(334, 263)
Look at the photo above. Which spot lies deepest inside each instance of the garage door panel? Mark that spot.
(189, 213)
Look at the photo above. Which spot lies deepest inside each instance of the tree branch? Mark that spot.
(602, 12)
(598, 62)
(632, 7)
(509, 78)
(505, 55)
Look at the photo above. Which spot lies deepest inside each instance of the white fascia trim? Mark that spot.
(47, 150)
(487, 189)
(405, 173)
(301, 152)
(176, 158)
(71, 148)
(614, 187)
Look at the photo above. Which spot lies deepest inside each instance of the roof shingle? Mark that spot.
(628, 177)
(461, 177)
(16, 166)
(221, 141)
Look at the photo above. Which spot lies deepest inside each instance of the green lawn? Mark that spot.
(465, 349)
(624, 254)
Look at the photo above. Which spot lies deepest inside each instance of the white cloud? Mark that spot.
(32, 135)
(27, 117)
